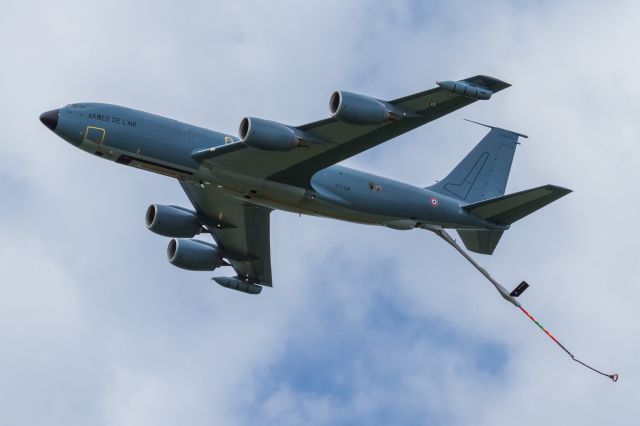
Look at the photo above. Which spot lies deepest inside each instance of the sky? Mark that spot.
(364, 325)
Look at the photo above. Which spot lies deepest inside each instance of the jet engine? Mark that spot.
(267, 135)
(172, 221)
(194, 255)
(358, 109)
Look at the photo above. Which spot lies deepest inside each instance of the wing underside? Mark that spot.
(241, 231)
(340, 140)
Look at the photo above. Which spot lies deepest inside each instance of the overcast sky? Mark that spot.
(364, 325)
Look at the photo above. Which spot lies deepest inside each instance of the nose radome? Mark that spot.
(50, 119)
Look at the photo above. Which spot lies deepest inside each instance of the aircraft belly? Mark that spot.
(287, 198)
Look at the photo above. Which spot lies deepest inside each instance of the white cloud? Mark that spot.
(364, 325)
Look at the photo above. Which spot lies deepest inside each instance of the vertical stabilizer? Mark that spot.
(484, 172)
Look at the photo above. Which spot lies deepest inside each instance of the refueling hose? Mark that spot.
(511, 297)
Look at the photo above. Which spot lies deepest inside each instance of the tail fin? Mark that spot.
(480, 179)
(504, 211)
(483, 173)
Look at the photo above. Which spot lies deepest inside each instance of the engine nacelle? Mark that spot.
(358, 109)
(267, 135)
(171, 221)
(194, 255)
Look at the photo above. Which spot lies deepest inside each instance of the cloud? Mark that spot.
(364, 325)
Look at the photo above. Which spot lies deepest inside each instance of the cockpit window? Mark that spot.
(78, 106)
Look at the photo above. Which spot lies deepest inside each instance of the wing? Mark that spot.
(241, 231)
(341, 140)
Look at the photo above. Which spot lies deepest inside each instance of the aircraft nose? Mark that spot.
(50, 119)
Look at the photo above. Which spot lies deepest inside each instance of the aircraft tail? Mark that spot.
(480, 179)
(484, 172)
(506, 210)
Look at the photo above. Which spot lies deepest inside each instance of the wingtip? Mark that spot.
(566, 191)
(488, 82)
(560, 190)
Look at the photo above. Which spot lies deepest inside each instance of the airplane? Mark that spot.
(235, 182)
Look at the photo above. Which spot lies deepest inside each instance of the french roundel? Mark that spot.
(434, 201)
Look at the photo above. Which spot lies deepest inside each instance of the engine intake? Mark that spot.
(172, 221)
(194, 255)
(358, 109)
(267, 135)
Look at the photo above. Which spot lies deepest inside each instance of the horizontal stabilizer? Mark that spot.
(510, 208)
(483, 242)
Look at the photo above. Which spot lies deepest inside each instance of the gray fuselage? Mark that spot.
(165, 146)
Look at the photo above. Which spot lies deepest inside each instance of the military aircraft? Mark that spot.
(235, 182)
